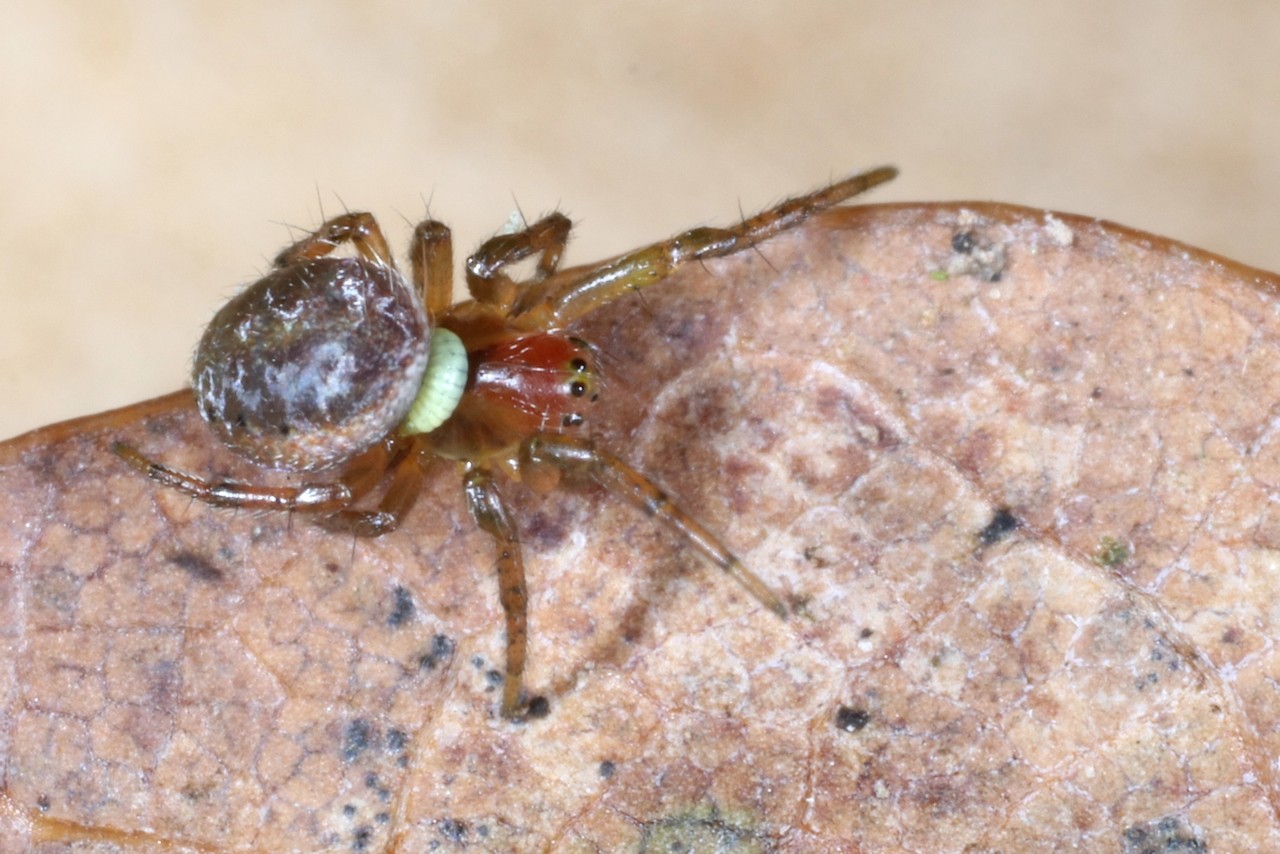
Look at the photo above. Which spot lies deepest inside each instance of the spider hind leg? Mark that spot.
(307, 498)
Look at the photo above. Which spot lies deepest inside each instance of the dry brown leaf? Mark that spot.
(1018, 471)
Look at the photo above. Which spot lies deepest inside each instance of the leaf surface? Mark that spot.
(1017, 472)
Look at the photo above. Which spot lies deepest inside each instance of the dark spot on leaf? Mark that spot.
(1168, 834)
(356, 740)
(440, 652)
(1001, 525)
(851, 719)
(453, 830)
(402, 608)
(200, 568)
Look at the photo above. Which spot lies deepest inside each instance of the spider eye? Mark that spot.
(573, 419)
(577, 388)
(579, 366)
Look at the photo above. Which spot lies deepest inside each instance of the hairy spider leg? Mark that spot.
(579, 457)
(308, 498)
(359, 229)
(408, 475)
(493, 517)
(563, 299)
(431, 263)
(358, 477)
(486, 280)
(398, 454)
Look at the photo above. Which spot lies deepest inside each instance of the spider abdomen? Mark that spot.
(313, 363)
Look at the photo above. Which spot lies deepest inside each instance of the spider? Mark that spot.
(333, 363)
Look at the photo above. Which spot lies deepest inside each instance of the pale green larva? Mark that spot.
(442, 386)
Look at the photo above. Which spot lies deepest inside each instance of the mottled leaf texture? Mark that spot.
(1017, 473)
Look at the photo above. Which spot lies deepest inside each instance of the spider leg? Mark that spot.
(562, 300)
(359, 229)
(431, 257)
(400, 457)
(580, 457)
(492, 515)
(486, 279)
(308, 498)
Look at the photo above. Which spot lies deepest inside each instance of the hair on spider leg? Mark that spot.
(320, 202)
(755, 244)
(342, 202)
(523, 221)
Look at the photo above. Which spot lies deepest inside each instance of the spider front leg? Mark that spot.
(580, 457)
(487, 281)
(493, 517)
(564, 299)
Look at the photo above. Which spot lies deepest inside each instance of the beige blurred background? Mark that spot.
(151, 153)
